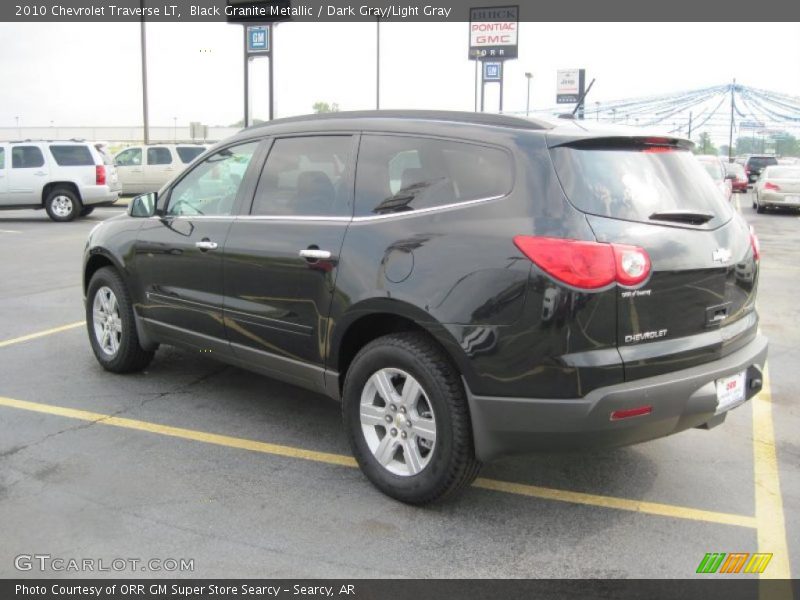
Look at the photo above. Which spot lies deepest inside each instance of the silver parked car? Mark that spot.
(777, 186)
(67, 178)
(145, 169)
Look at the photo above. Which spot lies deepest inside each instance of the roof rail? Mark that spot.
(475, 118)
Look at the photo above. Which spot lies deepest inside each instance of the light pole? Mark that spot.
(175, 128)
(143, 49)
(377, 63)
(528, 76)
(19, 133)
(597, 112)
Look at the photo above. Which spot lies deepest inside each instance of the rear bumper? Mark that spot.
(93, 195)
(779, 199)
(680, 400)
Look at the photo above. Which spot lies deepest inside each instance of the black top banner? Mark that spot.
(403, 10)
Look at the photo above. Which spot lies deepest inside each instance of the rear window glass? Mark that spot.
(399, 173)
(189, 153)
(72, 156)
(633, 183)
(713, 168)
(784, 173)
(26, 157)
(759, 162)
(102, 150)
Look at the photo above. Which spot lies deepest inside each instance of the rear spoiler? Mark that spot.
(620, 142)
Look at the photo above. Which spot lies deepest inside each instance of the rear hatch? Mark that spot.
(783, 180)
(699, 302)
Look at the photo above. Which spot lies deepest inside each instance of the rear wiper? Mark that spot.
(693, 217)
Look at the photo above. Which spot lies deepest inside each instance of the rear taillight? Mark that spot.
(771, 186)
(586, 265)
(754, 244)
(100, 175)
(659, 149)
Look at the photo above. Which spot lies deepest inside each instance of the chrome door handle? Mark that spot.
(40, 173)
(315, 254)
(206, 245)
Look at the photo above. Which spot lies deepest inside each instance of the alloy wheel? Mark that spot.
(398, 422)
(107, 321)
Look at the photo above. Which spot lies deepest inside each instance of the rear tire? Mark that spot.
(425, 451)
(111, 326)
(87, 210)
(63, 205)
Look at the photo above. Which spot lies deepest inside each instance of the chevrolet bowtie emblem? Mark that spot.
(721, 255)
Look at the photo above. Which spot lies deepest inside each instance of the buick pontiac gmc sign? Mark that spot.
(493, 32)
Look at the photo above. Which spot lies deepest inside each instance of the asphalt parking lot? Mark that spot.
(252, 478)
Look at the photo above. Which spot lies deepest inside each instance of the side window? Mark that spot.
(26, 157)
(306, 176)
(210, 188)
(72, 156)
(132, 157)
(188, 153)
(2, 158)
(159, 156)
(399, 173)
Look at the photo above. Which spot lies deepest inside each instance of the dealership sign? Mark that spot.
(493, 32)
(569, 86)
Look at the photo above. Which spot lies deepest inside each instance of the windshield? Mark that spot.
(634, 183)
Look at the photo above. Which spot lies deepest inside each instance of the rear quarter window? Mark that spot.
(72, 156)
(634, 183)
(404, 173)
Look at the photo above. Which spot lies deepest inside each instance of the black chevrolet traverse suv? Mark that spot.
(468, 285)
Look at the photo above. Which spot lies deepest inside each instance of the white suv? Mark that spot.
(145, 169)
(66, 178)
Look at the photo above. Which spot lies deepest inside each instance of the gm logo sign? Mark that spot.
(258, 38)
(492, 71)
(735, 562)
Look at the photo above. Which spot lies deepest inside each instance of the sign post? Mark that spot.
(258, 40)
(493, 37)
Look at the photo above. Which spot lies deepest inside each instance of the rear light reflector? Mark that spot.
(618, 415)
(100, 175)
(771, 186)
(755, 244)
(586, 265)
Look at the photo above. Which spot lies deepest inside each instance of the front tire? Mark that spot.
(407, 420)
(111, 325)
(63, 205)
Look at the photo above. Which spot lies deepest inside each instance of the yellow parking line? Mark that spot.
(769, 505)
(651, 508)
(38, 334)
(640, 506)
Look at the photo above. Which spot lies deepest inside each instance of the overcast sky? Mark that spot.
(89, 74)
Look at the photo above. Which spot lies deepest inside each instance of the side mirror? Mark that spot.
(730, 176)
(143, 205)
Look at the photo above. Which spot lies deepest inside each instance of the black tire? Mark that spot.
(129, 356)
(63, 204)
(87, 210)
(760, 209)
(452, 464)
